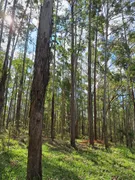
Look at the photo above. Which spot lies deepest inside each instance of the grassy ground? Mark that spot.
(61, 162)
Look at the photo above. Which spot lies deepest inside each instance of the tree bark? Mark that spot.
(95, 96)
(53, 94)
(26, 109)
(72, 78)
(90, 115)
(39, 84)
(52, 119)
(63, 114)
(105, 83)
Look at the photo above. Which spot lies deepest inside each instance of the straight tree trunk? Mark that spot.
(63, 114)
(95, 96)
(75, 76)
(98, 114)
(105, 83)
(39, 84)
(15, 99)
(20, 91)
(110, 125)
(11, 102)
(5, 65)
(75, 71)
(52, 119)
(15, 41)
(26, 109)
(83, 125)
(128, 52)
(114, 126)
(7, 81)
(90, 115)
(72, 107)
(109, 116)
(53, 94)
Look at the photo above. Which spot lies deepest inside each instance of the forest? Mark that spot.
(67, 90)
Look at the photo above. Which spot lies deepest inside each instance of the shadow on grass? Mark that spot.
(60, 147)
(66, 149)
(90, 156)
(10, 167)
(56, 172)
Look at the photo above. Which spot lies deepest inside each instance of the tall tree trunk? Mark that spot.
(98, 114)
(20, 91)
(95, 96)
(72, 107)
(114, 125)
(105, 82)
(52, 118)
(127, 49)
(5, 65)
(75, 71)
(110, 125)
(39, 84)
(7, 82)
(26, 109)
(63, 114)
(75, 77)
(53, 94)
(90, 115)
(11, 102)
(15, 41)
(109, 115)
(15, 99)
(83, 124)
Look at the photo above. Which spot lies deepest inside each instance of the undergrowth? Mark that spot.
(61, 162)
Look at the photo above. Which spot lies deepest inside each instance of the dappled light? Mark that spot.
(8, 19)
(67, 90)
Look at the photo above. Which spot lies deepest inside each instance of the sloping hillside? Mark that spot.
(61, 162)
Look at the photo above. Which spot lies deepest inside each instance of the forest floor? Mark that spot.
(61, 162)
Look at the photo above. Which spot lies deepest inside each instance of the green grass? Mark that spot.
(61, 162)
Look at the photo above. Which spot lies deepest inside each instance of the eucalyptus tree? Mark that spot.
(22, 74)
(5, 64)
(97, 6)
(54, 71)
(18, 29)
(72, 76)
(105, 79)
(123, 49)
(38, 90)
(90, 112)
(127, 29)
